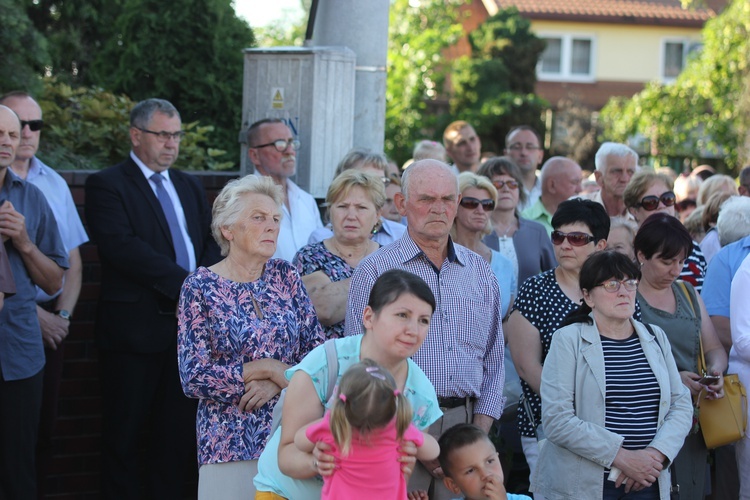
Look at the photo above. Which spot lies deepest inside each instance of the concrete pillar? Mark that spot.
(362, 26)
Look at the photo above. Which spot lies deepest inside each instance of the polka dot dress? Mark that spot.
(543, 303)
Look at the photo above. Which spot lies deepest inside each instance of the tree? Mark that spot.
(419, 32)
(493, 89)
(186, 51)
(25, 50)
(707, 109)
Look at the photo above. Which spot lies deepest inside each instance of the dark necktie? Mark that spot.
(180, 249)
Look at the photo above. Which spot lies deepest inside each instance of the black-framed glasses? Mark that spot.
(281, 145)
(511, 184)
(528, 147)
(651, 203)
(575, 238)
(34, 125)
(470, 203)
(612, 286)
(164, 136)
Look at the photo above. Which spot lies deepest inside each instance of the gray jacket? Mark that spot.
(578, 447)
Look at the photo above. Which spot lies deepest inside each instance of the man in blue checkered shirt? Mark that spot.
(463, 352)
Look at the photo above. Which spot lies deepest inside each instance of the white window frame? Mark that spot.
(566, 59)
(688, 46)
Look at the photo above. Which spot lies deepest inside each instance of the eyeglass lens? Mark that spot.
(500, 184)
(614, 285)
(652, 202)
(472, 203)
(575, 238)
(34, 125)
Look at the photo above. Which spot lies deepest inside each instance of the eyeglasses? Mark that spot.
(577, 239)
(472, 203)
(527, 147)
(511, 184)
(34, 125)
(613, 286)
(164, 136)
(650, 203)
(281, 145)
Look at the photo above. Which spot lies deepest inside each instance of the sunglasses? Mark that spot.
(281, 145)
(650, 203)
(613, 286)
(511, 184)
(472, 203)
(34, 125)
(575, 238)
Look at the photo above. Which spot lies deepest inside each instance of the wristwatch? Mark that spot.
(64, 314)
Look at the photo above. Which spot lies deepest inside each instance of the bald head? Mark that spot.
(425, 169)
(10, 136)
(561, 179)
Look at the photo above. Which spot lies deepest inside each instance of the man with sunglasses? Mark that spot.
(272, 149)
(615, 166)
(151, 223)
(37, 257)
(54, 311)
(561, 180)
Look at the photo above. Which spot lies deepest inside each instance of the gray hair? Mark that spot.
(421, 165)
(734, 220)
(612, 149)
(142, 112)
(359, 157)
(230, 203)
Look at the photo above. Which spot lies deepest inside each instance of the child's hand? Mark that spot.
(418, 495)
(494, 489)
(408, 457)
(323, 463)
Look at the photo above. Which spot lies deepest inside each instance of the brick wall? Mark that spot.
(75, 464)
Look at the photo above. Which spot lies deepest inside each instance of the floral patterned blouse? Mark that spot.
(316, 257)
(224, 324)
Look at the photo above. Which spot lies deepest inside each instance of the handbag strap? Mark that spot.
(701, 358)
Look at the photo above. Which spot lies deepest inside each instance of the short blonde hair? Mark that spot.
(715, 184)
(342, 185)
(231, 201)
(468, 180)
(640, 183)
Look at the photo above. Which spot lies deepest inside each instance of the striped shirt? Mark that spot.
(694, 269)
(463, 352)
(632, 394)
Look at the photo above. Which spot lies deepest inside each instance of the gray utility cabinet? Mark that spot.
(312, 90)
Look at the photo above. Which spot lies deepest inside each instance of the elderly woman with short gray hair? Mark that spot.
(242, 322)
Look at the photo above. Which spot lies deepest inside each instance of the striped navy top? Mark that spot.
(632, 392)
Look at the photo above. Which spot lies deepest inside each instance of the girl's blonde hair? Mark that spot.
(368, 400)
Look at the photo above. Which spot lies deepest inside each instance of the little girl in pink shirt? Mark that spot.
(365, 428)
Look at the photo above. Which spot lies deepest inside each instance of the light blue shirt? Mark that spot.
(59, 199)
(718, 281)
(506, 278)
(172, 192)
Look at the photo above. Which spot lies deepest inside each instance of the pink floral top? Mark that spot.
(224, 324)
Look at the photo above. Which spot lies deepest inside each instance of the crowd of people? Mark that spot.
(272, 354)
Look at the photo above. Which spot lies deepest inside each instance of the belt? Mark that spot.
(449, 403)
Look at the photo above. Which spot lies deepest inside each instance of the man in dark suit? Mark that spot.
(152, 226)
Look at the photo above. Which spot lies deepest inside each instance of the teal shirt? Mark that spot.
(538, 213)
(418, 391)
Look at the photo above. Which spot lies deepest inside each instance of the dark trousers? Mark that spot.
(53, 368)
(142, 392)
(20, 403)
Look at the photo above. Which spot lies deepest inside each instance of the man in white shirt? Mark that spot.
(523, 145)
(272, 149)
(463, 145)
(615, 165)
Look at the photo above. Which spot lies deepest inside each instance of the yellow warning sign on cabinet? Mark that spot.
(277, 98)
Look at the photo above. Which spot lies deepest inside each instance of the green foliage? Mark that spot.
(186, 51)
(494, 88)
(87, 128)
(706, 109)
(419, 32)
(24, 49)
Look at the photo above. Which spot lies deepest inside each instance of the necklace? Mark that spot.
(349, 256)
(505, 230)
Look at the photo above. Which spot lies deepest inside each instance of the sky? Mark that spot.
(259, 13)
